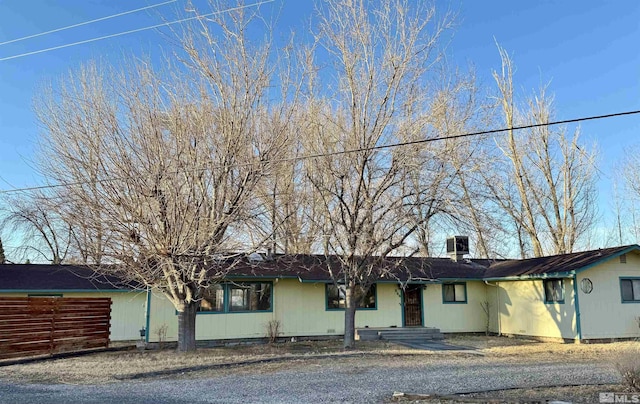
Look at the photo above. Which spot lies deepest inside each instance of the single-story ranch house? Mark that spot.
(581, 296)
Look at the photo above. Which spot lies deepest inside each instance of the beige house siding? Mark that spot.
(492, 293)
(518, 308)
(522, 310)
(127, 310)
(455, 317)
(602, 313)
(300, 308)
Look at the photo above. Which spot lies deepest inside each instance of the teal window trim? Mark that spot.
(219, 312)
(226, 306)
(466, 298)
(562, 290)
(44, 295)
(628, 278)
(326, 299)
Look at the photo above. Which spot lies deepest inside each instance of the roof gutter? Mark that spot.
(553, 275)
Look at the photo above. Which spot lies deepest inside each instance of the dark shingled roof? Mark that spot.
(313, 268)
(553, 264)
(54, 277)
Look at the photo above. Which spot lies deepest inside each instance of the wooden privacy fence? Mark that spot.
(47, 325)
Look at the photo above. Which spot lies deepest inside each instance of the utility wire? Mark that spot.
(135, 30)
(87, 22)
(484, 132)
(342, 152)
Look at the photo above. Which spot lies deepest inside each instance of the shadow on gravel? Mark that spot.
(188, 369)
(436, 346)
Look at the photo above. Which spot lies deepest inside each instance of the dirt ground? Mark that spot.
(518, 348)
(111, 367)
(572, 394)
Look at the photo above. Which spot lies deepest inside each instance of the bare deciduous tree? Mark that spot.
(628, 171)
(3, 258)
(544, 179)
(288, 200)
(44, 232)
(373, 95)
(166, 165)
(451, 197)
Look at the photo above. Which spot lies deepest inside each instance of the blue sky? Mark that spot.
(587, 49)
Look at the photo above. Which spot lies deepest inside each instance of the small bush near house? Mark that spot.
(628, 365)
(161, 333)
(273, 330)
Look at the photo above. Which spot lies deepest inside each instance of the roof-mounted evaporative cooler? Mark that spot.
(457, 247)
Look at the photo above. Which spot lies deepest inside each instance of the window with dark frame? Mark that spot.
(553, 290)
(630, 290)
(335, 296)
(237, 297)
(454, 292)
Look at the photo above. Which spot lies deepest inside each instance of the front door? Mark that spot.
(412, 306)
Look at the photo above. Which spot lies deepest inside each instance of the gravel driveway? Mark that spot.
(362, 381)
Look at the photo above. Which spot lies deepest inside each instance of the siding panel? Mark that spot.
(602, 313)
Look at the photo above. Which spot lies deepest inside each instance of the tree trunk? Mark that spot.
(187, 327)
(350, 318)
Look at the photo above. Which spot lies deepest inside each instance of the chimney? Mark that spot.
(457, 247)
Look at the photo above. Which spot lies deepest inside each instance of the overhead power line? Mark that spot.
(135, 30)
(342, 152)
(87, 22)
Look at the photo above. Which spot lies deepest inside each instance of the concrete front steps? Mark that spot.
(413, 335)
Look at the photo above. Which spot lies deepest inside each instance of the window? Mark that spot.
(250, 297)
(365, 299)
(553, 291)
(454, 292)
(213, 299)
(237, 297)
(630, 290)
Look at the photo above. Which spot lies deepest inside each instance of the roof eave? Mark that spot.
(68, 290)
(634, 247)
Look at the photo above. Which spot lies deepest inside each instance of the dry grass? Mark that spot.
(529, 350)
(111, 366)
(628, 365)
